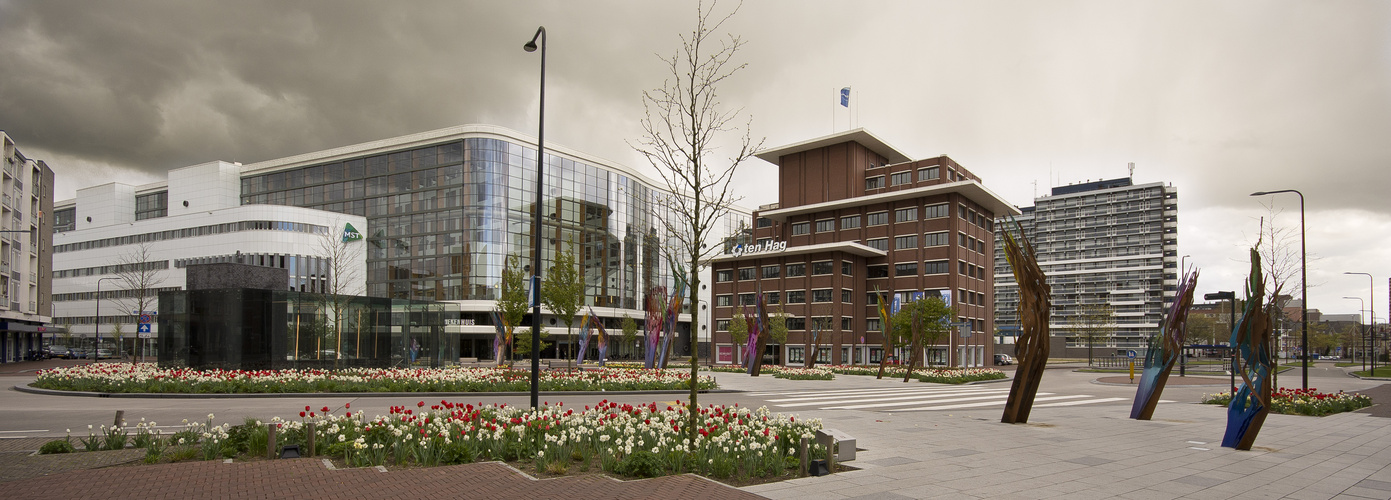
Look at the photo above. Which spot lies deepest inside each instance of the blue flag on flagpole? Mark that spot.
(845, 97)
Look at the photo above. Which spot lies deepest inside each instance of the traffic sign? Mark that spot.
(144, 328)
(145, 335)
(1130, 354)
(145, 318)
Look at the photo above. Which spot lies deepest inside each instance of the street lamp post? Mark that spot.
(1372, 315)
(1362, 309)
(536, 224)
(1303, 284)
(1231, 324)
(96, 327)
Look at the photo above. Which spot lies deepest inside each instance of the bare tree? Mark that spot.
(682, 122)
(139, 276)
(1280, 253)
(1092, 322)
(342, 256)
(1281, 262)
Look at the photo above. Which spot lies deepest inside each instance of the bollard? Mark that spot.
(803, 452)
(120, 415)
(270, 441)
(309, 438)
(827, 440)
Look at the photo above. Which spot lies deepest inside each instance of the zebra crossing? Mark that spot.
(931, 398)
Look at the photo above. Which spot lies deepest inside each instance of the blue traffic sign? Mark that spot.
(144, 328)
(1130, 354)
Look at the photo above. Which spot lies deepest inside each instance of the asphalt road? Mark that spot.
(33, 415)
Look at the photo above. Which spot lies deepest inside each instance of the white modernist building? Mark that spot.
(123, 239)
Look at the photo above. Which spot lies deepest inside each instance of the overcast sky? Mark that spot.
(1220, 99)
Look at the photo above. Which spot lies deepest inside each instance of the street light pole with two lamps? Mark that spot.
(1371, 313)
(96, 327)
(1363, 309)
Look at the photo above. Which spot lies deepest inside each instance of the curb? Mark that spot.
(1099, 382)
(181, 395)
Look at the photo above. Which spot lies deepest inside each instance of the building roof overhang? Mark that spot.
(849, 247)
(972, 190)
(860, 135)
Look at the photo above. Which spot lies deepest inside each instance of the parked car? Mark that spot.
(57, 351)
(1004, 359)
(104, 353)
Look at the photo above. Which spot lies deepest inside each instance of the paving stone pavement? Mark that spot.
(1098, 452)
(311, 478)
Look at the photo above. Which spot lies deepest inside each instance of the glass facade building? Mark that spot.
(440, 211)
(442, 218)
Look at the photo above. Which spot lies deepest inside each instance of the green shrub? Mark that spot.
(56, 446)
(641, 463)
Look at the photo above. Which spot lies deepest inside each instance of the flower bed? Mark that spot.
(148, 378)
(639, 364)
(726, 369)
(957, 375)
(1302, 401)
(934, 375)
(640, 441)
(791, 373)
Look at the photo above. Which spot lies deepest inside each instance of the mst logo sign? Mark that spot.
(350, 233)
(769, 247)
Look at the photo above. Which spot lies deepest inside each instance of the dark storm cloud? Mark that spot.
(1217, 98)
(159, 85)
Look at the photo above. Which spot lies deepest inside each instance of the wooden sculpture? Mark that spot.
(1032, 346)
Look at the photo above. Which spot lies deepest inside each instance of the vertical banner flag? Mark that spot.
(504, 335)
(654, 323)
(584, 339)
(603, 337)
(673, 309)
(845, 97)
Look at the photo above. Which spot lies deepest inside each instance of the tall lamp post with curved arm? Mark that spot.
(96, 326)
(1303, 284)
(1371, 316)
(1363, 308)
(536, 223)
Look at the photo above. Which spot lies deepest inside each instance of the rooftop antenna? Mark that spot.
(1131, 166)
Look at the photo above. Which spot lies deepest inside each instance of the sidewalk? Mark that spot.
(312, 478)
(1099, 452)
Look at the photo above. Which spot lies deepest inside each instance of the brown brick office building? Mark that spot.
(855, 215)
